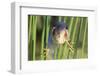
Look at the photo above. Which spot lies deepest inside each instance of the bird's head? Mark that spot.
(60, 32)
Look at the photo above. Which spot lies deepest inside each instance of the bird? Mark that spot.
(60, 33)
(57, 36)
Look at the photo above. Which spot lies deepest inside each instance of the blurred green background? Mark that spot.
(39, 28)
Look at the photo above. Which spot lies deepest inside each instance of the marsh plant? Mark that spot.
(39, 30)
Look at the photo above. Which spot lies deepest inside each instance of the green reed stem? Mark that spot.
(70, 30)
(74, 35)
(30, 27)
(47, 30)
(34, 35)
(84, 38)
(70, 26)
(65, 50)
(60, 51)
(42, 40)
(59, 18)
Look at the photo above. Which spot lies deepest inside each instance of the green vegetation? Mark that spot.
(38, 33)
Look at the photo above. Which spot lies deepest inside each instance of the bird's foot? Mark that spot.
(45, 53)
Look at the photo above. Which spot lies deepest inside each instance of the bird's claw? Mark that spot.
(45, 53)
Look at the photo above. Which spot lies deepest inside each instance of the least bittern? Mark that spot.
(59, 35)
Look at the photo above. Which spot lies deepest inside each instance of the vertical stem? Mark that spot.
(77, 39)
(34, 35)
(30, 51)
(74, 32)
(70, 30)
(70, 26)
(55, 53)
(47, 30)
(42, 40)
(84, 38)
(80, 35)
(64, 50)
(81, 25)
(59, 18)
(65, 19)
(74, 36)
(59, 51)
(30, 27)
(47, 27)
